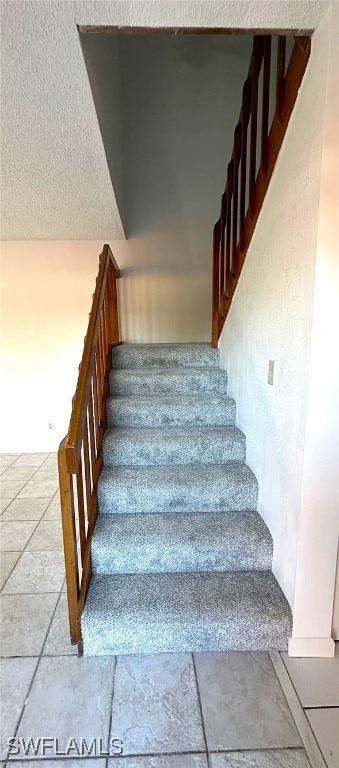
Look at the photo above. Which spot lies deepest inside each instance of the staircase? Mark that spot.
(181, 560)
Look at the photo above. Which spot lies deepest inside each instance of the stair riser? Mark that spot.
(124, 412)
(130, 383)
(170, 451)
(181, 637)
(168, 355)
(117, 497)
(156, 613)
(111, 557)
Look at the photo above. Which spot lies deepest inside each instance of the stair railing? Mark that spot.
(80, 453)
(258, 136)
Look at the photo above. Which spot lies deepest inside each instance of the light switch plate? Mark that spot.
(270, 378)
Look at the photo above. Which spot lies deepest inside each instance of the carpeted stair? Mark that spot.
(181, 559)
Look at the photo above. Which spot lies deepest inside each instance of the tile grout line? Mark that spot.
(311, 746)
(111, 711)
(38, 657)
(29, 539)
(201, 712)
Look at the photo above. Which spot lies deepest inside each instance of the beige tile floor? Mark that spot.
(209, 710)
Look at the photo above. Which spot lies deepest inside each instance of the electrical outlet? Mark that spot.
(270, 378)
(51, 426)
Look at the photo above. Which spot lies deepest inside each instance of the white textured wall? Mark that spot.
(271, 317)
(319, 515)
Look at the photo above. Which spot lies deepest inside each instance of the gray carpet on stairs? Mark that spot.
(158, 612)
(181, 558)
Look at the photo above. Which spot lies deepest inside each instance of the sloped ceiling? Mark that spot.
(55, 179)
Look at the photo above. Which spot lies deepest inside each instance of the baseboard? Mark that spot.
(322, 647)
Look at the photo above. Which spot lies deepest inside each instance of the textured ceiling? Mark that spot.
(55, 178)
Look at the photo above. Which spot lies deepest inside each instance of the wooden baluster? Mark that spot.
(81, 506)
(69, 540)
(87, 473)
(222, 245)
(102, 364)
(109, 295)
(230, 176)
(116, 330)
(265, 103)
(245, 117)
(216, 289)
(105, 329)
(253, 145)
(258, 52)
(280, 85)
(236, 157)
(92, 438)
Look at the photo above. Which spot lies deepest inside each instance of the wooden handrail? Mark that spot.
(80, 453)
(255, 151)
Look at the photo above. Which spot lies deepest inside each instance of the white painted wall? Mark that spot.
(319, 512)
(46, 296)
(273, 317)
(179, 100)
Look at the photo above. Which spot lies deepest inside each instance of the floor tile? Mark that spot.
(7, 563)
(24, 623)
(15, 676)
(70, 697)
(53, 511)
(242, 702)
(6, 459)
(10, 488)
(325, 726)
(18, 473)
(47, 536)
(275, 758)
(316, 681)
(58, 641)
(4, 503)
(14, 534)
(155, 704)
(25, 509)
(31, 459)
(161, 761)
(35, 489)
(37, 572)
(46, 473)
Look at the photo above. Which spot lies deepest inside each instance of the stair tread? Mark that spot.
(171, 410)
(151, 613)
(173, 445)
(193, 487)
(155, 380)
(135, 355)
(216, 541)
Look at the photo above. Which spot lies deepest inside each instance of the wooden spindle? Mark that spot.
(70, 542)
(81, 507)
(230, 177)
(87, 471)
(245, 116)
(236, 158)
(280, 84)
(92, 440)
(216, 283)
(265, 103)
(222, 244)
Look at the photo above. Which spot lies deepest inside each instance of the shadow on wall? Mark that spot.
(168, 105)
